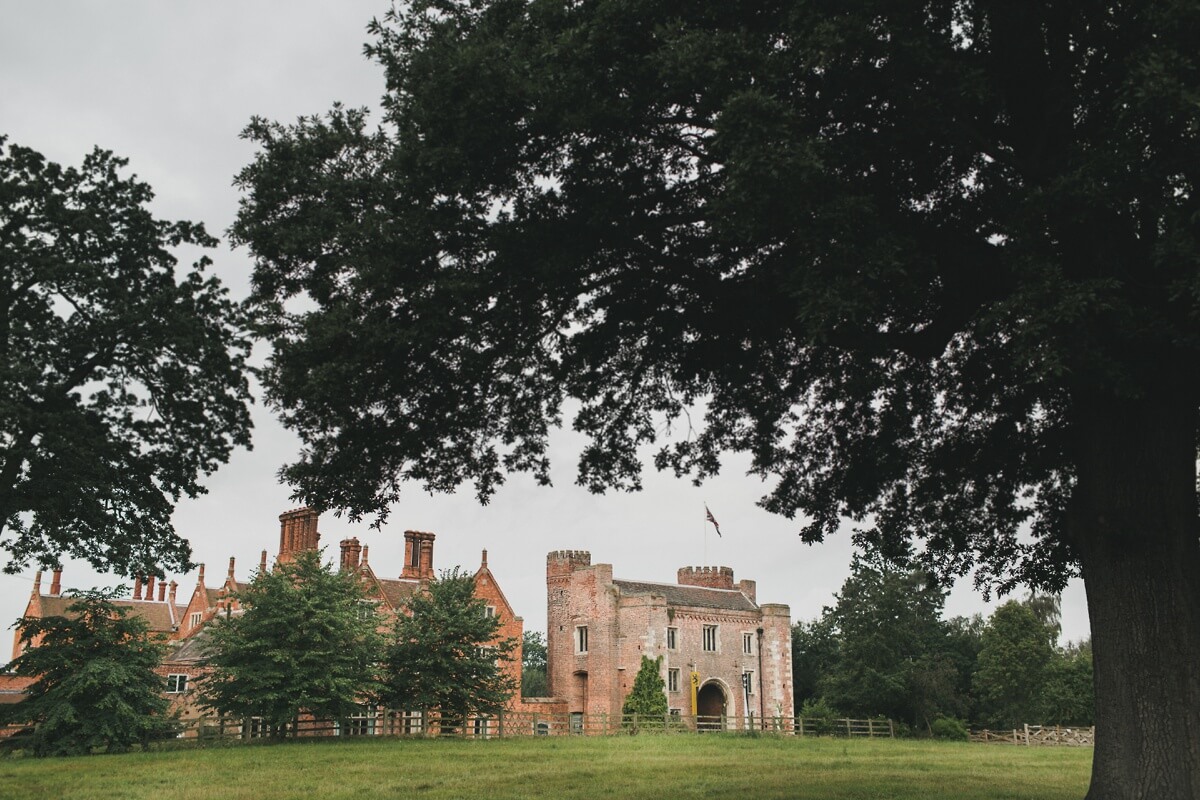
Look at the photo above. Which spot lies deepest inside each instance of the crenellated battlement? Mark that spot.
(709, 577)
(564, 562)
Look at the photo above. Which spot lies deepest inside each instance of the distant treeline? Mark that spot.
(884, 649)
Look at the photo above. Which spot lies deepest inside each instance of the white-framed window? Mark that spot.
(412, 722)
(489, 611)
(581, 639)
(366, 609)
(748, 643)
(482, 726)
(177, 683)
(710, 638)
(672, 680)
(748, 681)
(195, 619)
(361, 723)
(672, 638)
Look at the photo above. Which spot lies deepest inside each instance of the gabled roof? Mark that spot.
(485, 572)
(156, 614)
(696, 596)
(190, 650)
(397, 592)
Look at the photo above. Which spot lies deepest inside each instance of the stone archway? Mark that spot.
(710, 707)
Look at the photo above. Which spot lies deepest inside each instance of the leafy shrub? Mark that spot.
(949, 728)
(820, 716)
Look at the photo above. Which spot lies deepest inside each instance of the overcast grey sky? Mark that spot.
(169, 86)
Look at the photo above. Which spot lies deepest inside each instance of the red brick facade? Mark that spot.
(704, 625)
(598, 627)
(181, 624)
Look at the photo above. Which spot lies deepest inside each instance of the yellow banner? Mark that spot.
(695, 689)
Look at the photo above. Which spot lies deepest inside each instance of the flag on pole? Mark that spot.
(712, 519)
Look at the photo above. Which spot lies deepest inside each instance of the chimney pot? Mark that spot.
(137, 587)
(37, 582)
(162, 590)
(149, 590)
(56, 582)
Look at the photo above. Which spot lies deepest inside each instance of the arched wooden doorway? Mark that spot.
(710, 707)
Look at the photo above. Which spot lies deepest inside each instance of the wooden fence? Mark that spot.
(515, 724)
(1039, 736)
(507, 724)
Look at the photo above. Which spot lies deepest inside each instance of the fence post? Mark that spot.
(847, 727)
(870, 729)
(891, 730)
(1027, 734)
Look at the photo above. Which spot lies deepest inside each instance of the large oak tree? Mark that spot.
(122, 378)
(934, 266)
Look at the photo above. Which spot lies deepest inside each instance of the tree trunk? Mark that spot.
(1135, 528)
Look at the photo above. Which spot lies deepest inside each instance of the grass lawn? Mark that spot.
(658, 767)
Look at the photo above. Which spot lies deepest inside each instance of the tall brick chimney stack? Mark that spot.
(149, 590)
(56, 583)
(37, 582)
(137, 587)
(262, 563)
(162, 590)
(708, 577)
(297, 533)
(171, 596)
(418, 555)
(351, 554)
(229, 575)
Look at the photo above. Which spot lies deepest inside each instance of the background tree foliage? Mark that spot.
(885, 649)
(95, 686)
(892, 655)
(933, 266)
(1013, 661)
(533, 664)
(120, 382)
(306, 642)
(444, 654)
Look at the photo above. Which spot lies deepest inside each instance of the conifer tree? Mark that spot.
(95, 686)
(648, 699)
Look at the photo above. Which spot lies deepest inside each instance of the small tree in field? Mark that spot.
(306, 643)
(95, 684)
(445, 653)
(648, 698)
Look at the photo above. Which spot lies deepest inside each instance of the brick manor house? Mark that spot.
(723, 654)
(183, 619)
